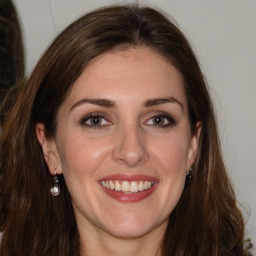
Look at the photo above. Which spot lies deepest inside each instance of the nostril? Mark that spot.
(130, 150)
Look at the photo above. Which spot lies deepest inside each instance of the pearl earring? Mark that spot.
(189, 176)
(55, 188)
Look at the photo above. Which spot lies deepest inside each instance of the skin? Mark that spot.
(127, 141)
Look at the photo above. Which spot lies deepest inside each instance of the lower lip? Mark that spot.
(130, 198)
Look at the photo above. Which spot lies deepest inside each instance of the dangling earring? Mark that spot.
(55, 188)
(189, 176)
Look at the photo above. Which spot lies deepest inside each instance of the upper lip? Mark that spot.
(129, 177)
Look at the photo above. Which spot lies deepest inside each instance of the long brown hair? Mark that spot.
(206, 220)
(11, 48)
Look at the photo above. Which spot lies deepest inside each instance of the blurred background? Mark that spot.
(223, 35)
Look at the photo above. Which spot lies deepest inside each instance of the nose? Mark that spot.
(130, 147)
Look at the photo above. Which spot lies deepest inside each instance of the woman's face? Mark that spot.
(124, 143)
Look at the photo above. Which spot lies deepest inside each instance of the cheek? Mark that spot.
(172, 152)
(81, 155)
(169, 158)
(82, 159)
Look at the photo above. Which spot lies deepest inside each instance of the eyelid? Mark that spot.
(171, 120)
(87, 117)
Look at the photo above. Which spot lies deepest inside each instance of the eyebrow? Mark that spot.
(98, 102)
(110, 104)
(155, 102)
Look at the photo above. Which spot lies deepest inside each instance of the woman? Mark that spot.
(116, 122)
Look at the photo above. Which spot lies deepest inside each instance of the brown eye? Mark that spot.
(161, 121)
(94, 121)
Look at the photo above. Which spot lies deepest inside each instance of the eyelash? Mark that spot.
(167, 118)
(90, 117)
(170, 120)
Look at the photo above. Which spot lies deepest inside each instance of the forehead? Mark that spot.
(126, 75)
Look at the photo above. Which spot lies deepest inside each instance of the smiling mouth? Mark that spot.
(127, 187)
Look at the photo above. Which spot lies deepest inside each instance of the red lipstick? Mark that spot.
(129, 188)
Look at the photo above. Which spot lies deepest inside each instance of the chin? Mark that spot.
(131, 228)
(129, 232)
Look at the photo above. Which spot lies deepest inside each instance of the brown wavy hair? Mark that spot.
(206, 220)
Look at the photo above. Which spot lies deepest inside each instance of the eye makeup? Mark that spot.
(94, 121)
(97, 120)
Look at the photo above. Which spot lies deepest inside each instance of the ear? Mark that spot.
(194, 142)
(49, 148)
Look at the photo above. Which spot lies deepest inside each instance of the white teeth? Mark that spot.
(111, 185)
(134, 187)
(126, 186)
(117, 186)
(141, 186)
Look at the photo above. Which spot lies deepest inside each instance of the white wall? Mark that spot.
(223, 34)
